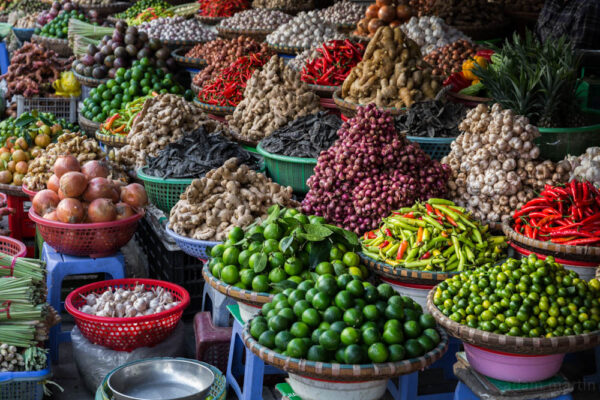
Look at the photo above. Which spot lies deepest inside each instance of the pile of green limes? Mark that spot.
(527, 297)
(284, 250)
(342, 319)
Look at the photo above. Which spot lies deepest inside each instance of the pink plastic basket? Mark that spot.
(28, 192)
(12, 247)
(88, 240)
(127, 334)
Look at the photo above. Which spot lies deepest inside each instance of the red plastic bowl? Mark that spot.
(12, 247)
(126, 334)
(28, 192)
(94, 240)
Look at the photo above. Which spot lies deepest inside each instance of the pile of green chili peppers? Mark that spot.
(433, 236)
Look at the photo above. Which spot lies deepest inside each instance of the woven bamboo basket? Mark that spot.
(214, 110)
(245, 296)
(208, 20)
(187, 62)
(349, 109)
(345, 28)
(111, 140)
(574, 253)
(195, 89)
(323, 91)
(108, 9)
(345, 372)
(87, 81)
(284, 49)
(89, 127)
(513, 344)
(404, 274)
(231, 33)
(60, 46)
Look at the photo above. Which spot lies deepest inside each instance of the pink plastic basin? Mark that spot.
(513, 367)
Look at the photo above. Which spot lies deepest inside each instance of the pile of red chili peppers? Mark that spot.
(227, 89)
(222, 8)
(333, 64)
(568, 214)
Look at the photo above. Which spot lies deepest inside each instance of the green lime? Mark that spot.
(247, 276)
(411, 315)
(330, 339)
(276, 260)
(427, 321)
(260, 283)
(343, 280)
(426, 342)
(273, 231)
(311, 317)
(278, 323)
(293, 266)
(236, 234)
(289, 213)
(324, 325)
(370, 336)
(230, 256)
(355, 288)
(230, 274)
(217, 251)
(353, 317)
(315, 219)
(340, 355)
(321, 301)
(291, 249)
(316, 352)
(257, 329)
(305, 285)
(299, 329)
(371, 294)
(255, 247)
(216, 269)
(316, 334)
(297, 348)
(378, 353)
(282, 339)
(267, 339)
(300, 306)
(270, 246)
(351, 259)
(332, 314)
(349, 336)
(354, 354)
(296, 295)
(339, 268)
(412, 329)
(287, 313)
(413, 348)
(266, 308)
(324, 268)
(338, 326)
(394, 311)
(393, 335)
(279, 297)
(371, 313)
(327, 284)
(302, 218)
(256, 233)
(344, 300)
(311, 293)
(335, 254)
(397, 352)
(385, 290)
(277, 275)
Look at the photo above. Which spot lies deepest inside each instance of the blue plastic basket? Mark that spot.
(193, 247)
(23, 34)
(23, 385)
(436, 148)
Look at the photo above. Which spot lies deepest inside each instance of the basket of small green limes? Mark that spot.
(279, 253)
(348, 332)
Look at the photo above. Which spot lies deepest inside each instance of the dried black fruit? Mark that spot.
(431, 119)
(304, 137)
(196, 153)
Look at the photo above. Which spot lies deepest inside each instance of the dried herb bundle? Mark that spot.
(431, 119)
(304, 137)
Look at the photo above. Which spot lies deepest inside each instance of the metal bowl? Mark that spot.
(161, 379)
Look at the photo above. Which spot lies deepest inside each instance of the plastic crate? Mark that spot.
(61, 107)
(23, 385)
(436, 148)
(163, 193)
(212, 343)
(167, 262)
(289, 171)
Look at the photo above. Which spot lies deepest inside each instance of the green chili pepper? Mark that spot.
(434, 200)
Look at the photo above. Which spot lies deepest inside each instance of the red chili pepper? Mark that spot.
(426, 255)
(388, 232)
(585, 241)
(485, 53)
(457, 81)
(439, 213)
(528, 231)
(401, 250)
(429, 209)
(409, 215)
(569, 232)
(371, 235)
(384, 243)
(452, 222)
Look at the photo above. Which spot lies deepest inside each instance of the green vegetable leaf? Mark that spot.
(261, 263)
(45, 120)
(273, 215)
(349, 237)
(291, 222)
(286, 284)
(286, 242)
(24, 120)
(317, 230)
(319, 251)
(309, 237)
(256, 237)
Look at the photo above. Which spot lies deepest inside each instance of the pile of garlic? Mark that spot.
(493, 162)
(124, 303)
(586, 167)
(431, 33)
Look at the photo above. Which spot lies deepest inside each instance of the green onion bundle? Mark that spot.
(22, 268)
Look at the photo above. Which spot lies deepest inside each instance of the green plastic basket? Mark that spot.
(218, 389)
(436, 148)
(163, 193)
(289, 171)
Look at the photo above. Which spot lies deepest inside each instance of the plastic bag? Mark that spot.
(95, 362)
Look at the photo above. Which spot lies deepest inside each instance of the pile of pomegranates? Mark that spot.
(383, 12)
(84, 194)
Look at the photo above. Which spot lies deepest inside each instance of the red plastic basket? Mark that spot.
(127, 334)
(28, 192)
(94, 240)
(3, 200)
(12, 247)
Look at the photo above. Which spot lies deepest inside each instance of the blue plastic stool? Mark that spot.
(408, 386)
(216, 302)
(61, 265)
(253, 370)
(4, 58)
(446, 363)
(463, 392)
